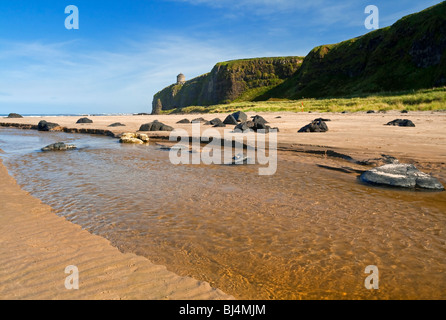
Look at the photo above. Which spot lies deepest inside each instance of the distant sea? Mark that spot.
(72, 114)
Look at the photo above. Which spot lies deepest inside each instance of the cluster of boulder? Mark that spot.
(257, 123)
(317, 125)
(136, 138)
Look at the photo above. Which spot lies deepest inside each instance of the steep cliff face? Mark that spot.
(228, 81)
(411, 54)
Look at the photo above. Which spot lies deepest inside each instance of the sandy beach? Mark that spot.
(37, 245)
(360, 135)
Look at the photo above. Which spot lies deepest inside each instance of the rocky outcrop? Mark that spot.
(317, 125)
(14, 116)
(184, 121)
(258, 124)
(117, 124)
(239, 79)
(155, 126)
(401, 175)
(59, 146)
(46, 126)
(401, 123)
(230, 120)
(84, 120)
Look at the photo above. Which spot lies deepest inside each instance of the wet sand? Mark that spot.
(36, 246)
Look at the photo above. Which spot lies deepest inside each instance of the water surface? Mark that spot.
(304, 233)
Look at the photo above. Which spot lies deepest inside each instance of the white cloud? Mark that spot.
(125, 80)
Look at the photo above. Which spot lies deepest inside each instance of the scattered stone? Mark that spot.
(59, 146)
(371, 111)
(14, 116)
(404, 111)
(279, 117)
(315, 126)
(240, 116)
(230, 120)
(344, 112)
(84, 120)
(401, 123)
(46, 126)
(155, 126)
(117, 124)
(184, 121)
(219, 125)
(401, 175)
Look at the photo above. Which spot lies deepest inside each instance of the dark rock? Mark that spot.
(404, 111)
(259, 119)
(240, 116)
(315, 126)
(143, 114)
(322, 119)
(344, 112)
(14, 116)
(59, 146)
(184, 121)
(371, 111)
(279, 117)
(254, 126)
(214, 122)
(230, 120)
(117, 124)
(84, 120)
(401, 175)
(46, 126)
(219, 125)
(198, 120)
(155, 126)
(401, 123)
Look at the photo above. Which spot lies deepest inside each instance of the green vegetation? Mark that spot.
(409, 55)
(413, 100)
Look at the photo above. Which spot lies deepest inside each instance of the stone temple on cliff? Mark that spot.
(181, 79)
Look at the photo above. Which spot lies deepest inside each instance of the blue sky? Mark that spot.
(126, 51)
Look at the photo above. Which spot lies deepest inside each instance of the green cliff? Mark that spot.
(228, 81)
(410, 54)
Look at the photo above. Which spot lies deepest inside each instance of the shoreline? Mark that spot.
(37, 246)
(356, 137)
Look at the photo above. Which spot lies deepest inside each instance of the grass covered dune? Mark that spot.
(414, 100)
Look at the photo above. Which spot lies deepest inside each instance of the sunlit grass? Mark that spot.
(419, 100)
